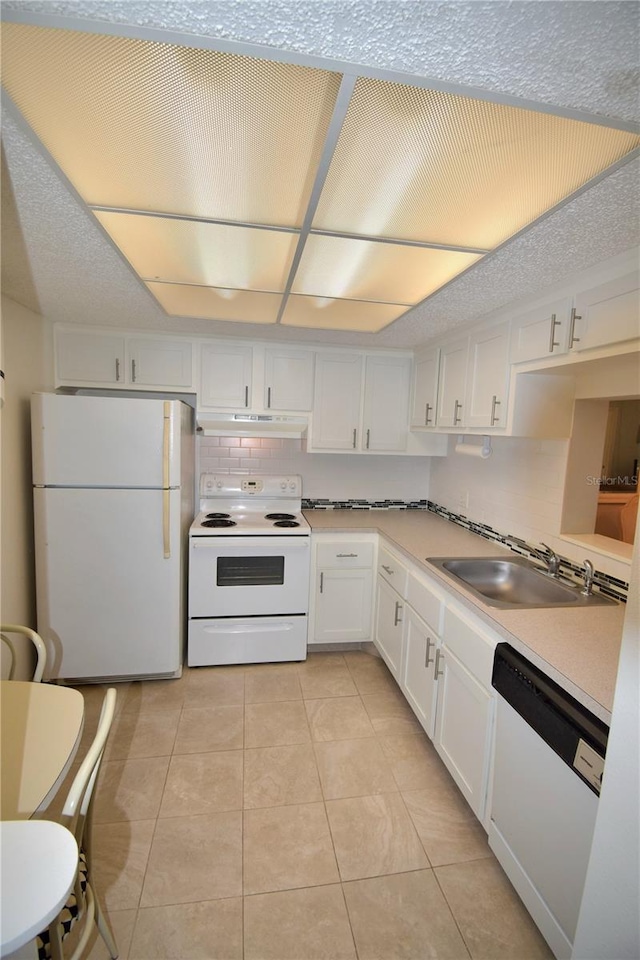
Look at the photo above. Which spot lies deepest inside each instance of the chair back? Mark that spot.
(37, 641)
(77, 810)
(76, 816)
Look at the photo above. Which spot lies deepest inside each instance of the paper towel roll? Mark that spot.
(474, 449)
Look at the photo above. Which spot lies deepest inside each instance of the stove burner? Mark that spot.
(280, 516)
(218, 523)
(218, 516)
(286, 523)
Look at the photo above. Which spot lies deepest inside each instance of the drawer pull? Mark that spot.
(388, 569)
(428, 660)
(552, 341)
(437, 671)
(396, 617)
(346, 554)
(572, 337)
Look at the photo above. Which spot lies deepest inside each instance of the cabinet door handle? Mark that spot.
(396, 617)
(346, 554)
(388, 569)
(437, 672)
(574, 316)
(246, 396)
(133, 371)
(427, 659)
(321, 582)
(354, 438)
(117, 369)
(456, 418)
(494, 403)
(368, 437)
(268, 398)
(427, 418)
(552, 333)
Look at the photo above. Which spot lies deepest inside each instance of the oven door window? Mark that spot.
(250, 571)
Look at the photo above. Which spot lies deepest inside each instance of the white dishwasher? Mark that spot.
(549, 759)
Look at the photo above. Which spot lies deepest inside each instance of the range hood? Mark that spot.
(251, 425)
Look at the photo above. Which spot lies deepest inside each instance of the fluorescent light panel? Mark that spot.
(418, 164)
(208, 303)
(198, 135)
(190, 251)
(368, 270)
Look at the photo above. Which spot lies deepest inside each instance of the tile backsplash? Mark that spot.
(333, 476)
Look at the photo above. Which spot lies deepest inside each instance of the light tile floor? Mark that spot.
(290, 812)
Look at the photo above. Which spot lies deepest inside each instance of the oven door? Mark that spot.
(248, 576)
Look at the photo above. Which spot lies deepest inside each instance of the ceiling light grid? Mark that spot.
(256, 191)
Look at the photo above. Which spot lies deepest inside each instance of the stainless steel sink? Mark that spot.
(513, 583)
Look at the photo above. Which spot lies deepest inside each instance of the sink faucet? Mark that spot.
(588, 579)
(551, 559)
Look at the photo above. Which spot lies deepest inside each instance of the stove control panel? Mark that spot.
(230, 485)
(254, 485)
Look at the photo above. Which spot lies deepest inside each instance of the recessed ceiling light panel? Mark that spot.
(207, 303)
(368, 270)
(190, 251)
(143, 125)
(325, 313)
(420, 164)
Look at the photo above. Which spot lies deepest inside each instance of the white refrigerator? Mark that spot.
(113, 500)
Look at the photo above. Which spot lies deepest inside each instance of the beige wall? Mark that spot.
(26, 365)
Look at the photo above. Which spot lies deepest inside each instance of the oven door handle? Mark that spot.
(249, 626)
(272, 544)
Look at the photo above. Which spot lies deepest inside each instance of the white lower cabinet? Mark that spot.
(389, 628)
(420, 670)
(462, 729)
(442, 659)
(342, 604)
(464, 716)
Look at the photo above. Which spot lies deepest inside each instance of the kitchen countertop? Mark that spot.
(578, 648)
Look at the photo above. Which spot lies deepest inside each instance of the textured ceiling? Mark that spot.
(572, 55)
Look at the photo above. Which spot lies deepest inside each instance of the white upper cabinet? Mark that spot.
(541, 332)
(607, 313)
(425, 389)
(89, 358)
(225, 376)
(361, 403)
(336, 407)
(288, 379)
(99, 359)
(452, 384)
(488, 377)
(166, 362)
(385, 418)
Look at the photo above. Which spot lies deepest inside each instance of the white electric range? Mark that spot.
(249, 556)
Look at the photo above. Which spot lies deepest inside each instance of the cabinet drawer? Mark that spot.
(344, 555)
(390, 568)
(471, 644)
(427, 603)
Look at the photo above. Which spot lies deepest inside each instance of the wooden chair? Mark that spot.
(36, 639)
(77, 816)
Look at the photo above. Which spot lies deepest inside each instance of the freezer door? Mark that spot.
(105, 441)
(109, 603)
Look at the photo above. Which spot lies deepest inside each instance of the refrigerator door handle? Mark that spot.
(166, 501)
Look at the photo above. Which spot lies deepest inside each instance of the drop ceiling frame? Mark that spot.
(350, 72)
